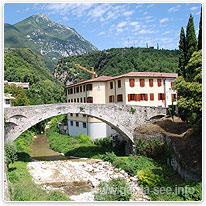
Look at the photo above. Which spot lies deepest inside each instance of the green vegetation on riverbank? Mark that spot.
(152, 172)
(21, 186)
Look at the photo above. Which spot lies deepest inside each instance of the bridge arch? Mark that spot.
(120, 117)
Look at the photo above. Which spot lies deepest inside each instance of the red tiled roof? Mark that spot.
(147, 74)
(130, 74)
(98, 79)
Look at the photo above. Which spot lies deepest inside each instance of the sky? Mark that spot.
(115, 25)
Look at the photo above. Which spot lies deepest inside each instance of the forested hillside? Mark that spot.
(116, 61)
(24, 65)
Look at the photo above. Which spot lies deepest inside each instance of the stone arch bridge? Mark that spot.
(123, 118)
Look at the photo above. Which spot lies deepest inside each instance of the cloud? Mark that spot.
(143, 31)
(145, 13)
(65, 18)
(101, 33)
(122, 24)
(128, 13)
(27, 9)
(164, 20)
(174, 9)
(194, 8)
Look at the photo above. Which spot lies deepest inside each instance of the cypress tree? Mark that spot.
(190, 40)
(200, 33)
(181, 71)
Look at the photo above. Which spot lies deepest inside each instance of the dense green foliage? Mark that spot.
(182, 53)
(18, 93)
(26, 66)
(114, 190)
(118, 61)
(190, 90)
(149, 147)
(190, 39)
(49, 39)
(10, 152)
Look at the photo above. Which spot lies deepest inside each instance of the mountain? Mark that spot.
(25, 65)
(51, 40)
(116, 61)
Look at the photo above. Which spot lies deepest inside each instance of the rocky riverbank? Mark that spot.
(79, 178)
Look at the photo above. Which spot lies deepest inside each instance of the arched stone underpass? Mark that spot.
(123, 118)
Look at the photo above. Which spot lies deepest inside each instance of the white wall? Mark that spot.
(95, 130)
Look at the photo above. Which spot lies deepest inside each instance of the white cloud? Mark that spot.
(122, 24)
(145, 13)
(65, 18)
(27, 9)
(194, 8)
(143, 31)
(101, 33)
(128, 13)
(164, 20)
(173, 9)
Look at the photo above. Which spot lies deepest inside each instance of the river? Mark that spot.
(77, 177)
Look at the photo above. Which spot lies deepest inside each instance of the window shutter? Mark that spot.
(113, 98)
(172, 84)
(141, 82)
(172, 96)
(91, 99)
(151, 82)
(158, 96)
(152, 96)
(128, 97)
(139, 98)
(146, 97)
(163, 96)
(136, 97)
(131, 82)
(159, 83)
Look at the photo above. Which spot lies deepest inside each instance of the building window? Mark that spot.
(71, 123)
(7, 101)
(142, 83)
(119, 83)
(77, 89)
(172, 83)
(89, 99)
(111, 98)
(77, 99)
(89, 87)
(71, 100)
(111, 85)
(84, 88)
(77, 115)
(74, 90)
(174, 97)
(161, 96)
(131, 83)
(71, 114)
(84, 99)
(152, 96)
(144, 97)
(119, 98)
(84, 115)
(131, 97)
(151, 82)
(71, 91)
(84, 125)
(77, 124)
(81, 99)
(80, 88)
(159, 82)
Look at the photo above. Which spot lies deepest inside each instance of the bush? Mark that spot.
(114, 190)
(148, 178)
(10, 152)
(150, 148)
(109, 157)
(84, 139)
(133, 164)
(194, 193)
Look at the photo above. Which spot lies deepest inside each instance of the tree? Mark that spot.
(10, 152)
(190, 40)
(200, 33)
(19, 94)
(182, 53)
(190, 91)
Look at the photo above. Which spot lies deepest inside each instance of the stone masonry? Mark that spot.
(123, 118)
